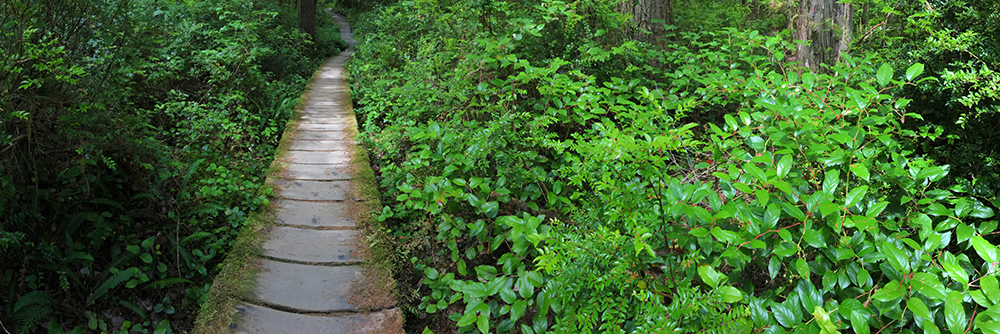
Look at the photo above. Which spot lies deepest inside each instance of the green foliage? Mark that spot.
(134, 136)
(540, 175)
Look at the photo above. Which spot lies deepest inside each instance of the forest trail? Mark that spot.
(312, 277)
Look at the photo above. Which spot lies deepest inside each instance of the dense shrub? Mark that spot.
(134, 136)
(541, 173)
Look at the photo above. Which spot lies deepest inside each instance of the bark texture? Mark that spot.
(827, 25)
(647, 15)
(307, 17)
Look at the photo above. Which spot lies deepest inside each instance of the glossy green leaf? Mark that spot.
(855, 195)
(990, 288)
(918, 308)
(758, 312)
(856, 312)
(932, 173)
(771, 216)
(709, 275)
(814, 238)
(889, 292)
(802, 267)
(986, 250)
(896, 257)
(822, 317)
(784, 315)
(784, 165)
(467, 319)
(884, 74)
(914, 71)
(928, 285)
(831, 181)
(956, 273)
(730, 294)
(483, 324)
(954, 312)
(793, 211)
(861, 171)
(518, 309)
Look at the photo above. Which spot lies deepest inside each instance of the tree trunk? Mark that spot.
(648, 15)
(307, 17)
(827, 25)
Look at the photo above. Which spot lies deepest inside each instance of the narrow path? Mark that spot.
(310, 267)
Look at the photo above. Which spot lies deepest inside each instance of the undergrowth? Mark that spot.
(134, 138)
(540, 173)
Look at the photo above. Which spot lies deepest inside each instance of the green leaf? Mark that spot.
(808, 295)
(709, 275)
(857, 313)
(980, 298)
(830, 182)
(467, 319)
(822, 317)
(855, 195)
(431, 273)
(730, 294)
(758, 312)
(914, 71)
(784, 165)
(933, 173)
(861, 171)
(508, 295)
(990, 288)
(985, 249)
(763, 197)
(723, 235)
(475, 290)
(814, 238)
(954, 312)
(896, 257)
(145, 257)
(773, 266)
(802, 267)
(889, 292)
(755, 171)
(793, 211)
(928, 285)
(771, 216)
(491, 209)
(918, 308)
(483, 323)
(884, 74)
(956, 273)
(517, 310)
(784, 315)
(700, 232)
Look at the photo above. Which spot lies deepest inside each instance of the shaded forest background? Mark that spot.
(685, 166)
(134, 137)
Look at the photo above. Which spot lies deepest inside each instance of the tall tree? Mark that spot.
(307, 17)
(648, 15)
(827, 25)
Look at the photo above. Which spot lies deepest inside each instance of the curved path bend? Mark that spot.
(312, 277)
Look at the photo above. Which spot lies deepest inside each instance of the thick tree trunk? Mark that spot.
(307, 17)
(648, 15)
(827, 25)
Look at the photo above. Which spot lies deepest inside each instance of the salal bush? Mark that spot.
(711, 186)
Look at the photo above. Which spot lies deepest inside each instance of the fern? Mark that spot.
(31, 308)
(109, 284)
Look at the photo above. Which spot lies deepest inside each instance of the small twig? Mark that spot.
(4, 328)
(12, 143)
